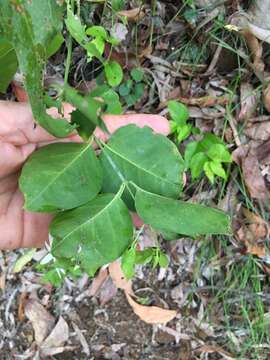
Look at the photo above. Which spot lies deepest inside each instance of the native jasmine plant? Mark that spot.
(91, 195)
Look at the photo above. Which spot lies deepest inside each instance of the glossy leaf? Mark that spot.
(150, 161)
(196, 164)
(95, 233)
(209, 172)
(180, 217)
(218, 152)
(60, 176)
(178, 112)
(23, 24)
(137, 74)
(217, 169)
(87, 105)
(8, 64)
(85, 127)
(113, 72)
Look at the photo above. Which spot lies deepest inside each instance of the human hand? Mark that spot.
(18, 139)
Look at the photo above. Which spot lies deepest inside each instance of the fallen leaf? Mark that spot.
(215, 349)
(258, 131)
(42, 321)
(205, 101)
(23, 260)
(247, 157)
(22, 301)
(82, 339)
(118, 277)
(249, 101)
(57, 338)
(266, 98)
(107, 291)
(98, 281)
(251, 230)
(151, 314)
(132, 14)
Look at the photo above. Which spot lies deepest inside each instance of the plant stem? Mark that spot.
(69, 50)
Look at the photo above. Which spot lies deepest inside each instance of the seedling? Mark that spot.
(133, 89)
(208, 156)
(179, 116)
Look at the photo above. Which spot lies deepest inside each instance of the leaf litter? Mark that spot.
(39, 320)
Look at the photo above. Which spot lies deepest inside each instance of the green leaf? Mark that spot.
(180, 217)
(178, 112)
(149, 160)
(23, 260)
(113, 72)
(163, 260)
(137, 74)
(190, 151)
(217, 169)
(22, 26)
(95, 233)
(208, 140)
(139, 90)
(196, 164)
(95, 48)
(89, 107)
(8, 64)
(124, 90)
(145, 256)
(183, 132)
(209, 172)
(97, 31)
(113, 105)
(60, 176)
(75, 27)
(85, 127)
(128, 262)
(54, 45)
(218, 152)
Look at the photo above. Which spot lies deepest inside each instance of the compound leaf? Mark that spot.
(149, 160)
(60, 176)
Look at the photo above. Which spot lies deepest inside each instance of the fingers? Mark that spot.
(18, 127)
(21, 229)
(113, 122)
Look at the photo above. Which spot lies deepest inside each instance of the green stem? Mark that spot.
(69, 50)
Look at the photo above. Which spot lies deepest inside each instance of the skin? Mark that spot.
(18, 139)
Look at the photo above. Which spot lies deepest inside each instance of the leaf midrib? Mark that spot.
(58, 175)
(88, 220)
(141, 168)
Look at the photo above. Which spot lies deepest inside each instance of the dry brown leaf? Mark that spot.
(22, 300)
(133, 14)
(151, 314)
(251, 231)
(258, 131)
(215, 349)
(98, 281)
(247, 157)
(266, 98)
(119, 279)
(249, 101)
(57, 337)
(205, 101)
(42, 321)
